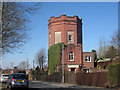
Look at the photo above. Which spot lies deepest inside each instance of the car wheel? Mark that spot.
(7, 86)
(10, 87)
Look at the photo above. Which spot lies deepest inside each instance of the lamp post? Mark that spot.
(62, 63)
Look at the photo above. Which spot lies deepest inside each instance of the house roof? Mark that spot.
(104, 60)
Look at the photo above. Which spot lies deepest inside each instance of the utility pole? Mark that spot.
(27, 66)
(33, 64)
(62, 63)
(12, 65)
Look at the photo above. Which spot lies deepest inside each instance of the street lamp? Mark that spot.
(62, 63)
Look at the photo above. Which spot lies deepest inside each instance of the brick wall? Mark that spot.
(88, 64)
(64, 24)
(77, 55)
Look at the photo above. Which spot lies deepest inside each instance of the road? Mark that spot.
(39, 85)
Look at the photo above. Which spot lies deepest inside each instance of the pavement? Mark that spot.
(71, 86)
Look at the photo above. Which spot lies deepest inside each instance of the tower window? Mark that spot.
(71, 56)
(70, 37)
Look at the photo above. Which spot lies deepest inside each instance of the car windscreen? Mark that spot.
(20, 76)
(5, 75)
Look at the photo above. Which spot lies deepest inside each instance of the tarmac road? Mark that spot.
(39, 85)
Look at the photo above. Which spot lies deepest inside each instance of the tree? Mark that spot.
(14, 24)
(115, 41)
(95, 57)
(41, 58)
(23, 65)
(95, 54)
(111, 52)
(103, 47)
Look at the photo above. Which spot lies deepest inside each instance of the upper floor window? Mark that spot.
(71, 56)
(87, 58)
(57, 37)
(70, 37)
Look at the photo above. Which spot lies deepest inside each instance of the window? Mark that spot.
(71, 56)
(72, 69)
(70, 37)
(88, 58)
(57, 37)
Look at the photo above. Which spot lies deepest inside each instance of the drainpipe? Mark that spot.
(62, 63)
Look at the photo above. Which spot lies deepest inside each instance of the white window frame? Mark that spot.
(69, 56)
(88, 58)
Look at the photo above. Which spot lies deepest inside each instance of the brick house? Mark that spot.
(68, 30)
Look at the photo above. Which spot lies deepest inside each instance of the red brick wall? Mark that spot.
(88, 64)
(64, 24)
(77, 54)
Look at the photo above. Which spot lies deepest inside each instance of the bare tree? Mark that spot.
(116, 39)
(41, 58)
(103, 47)
(111, 52)
(23, 65)
(14, 24)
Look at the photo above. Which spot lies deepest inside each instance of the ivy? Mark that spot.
(54, 57)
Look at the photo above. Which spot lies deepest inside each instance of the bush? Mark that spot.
(38, 74)
(114, 74)
(55, 77)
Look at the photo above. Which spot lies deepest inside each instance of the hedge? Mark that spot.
(114, 74)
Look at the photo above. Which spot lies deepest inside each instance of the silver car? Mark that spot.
(18, 80)
(4, 77)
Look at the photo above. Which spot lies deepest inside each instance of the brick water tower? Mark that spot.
(68, 30)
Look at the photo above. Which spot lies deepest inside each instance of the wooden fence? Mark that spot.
(98, 79)
(90, 79)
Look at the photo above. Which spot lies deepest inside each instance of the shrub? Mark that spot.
(114, 74)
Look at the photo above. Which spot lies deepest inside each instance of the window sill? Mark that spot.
(88, 61)
(71, 60)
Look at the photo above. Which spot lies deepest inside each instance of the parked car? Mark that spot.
(18, 80)
(4, 77)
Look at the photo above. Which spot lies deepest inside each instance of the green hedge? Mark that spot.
(54, 57)
(114, 74)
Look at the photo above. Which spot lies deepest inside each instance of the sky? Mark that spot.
(100, 21)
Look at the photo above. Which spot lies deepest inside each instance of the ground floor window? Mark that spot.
(72, 69)
(71, 56)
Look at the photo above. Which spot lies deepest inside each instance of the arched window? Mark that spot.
(71, 56)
